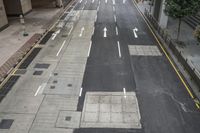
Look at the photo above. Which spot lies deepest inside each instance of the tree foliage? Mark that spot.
(181, 8)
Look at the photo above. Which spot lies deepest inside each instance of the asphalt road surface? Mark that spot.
(100, 70)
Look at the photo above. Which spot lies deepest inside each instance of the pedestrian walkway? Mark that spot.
(12, 39)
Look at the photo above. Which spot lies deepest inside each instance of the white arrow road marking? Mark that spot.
(105, 32)
(113, 9)
(115, 18)
(113, 2)
(40, 88)
(92, 1)
(134, 31)
(55, 34)
(124, 90)
(116, 29)
(61, 48)
(119, 49)
(89, 48)
(106, 1)
(80, 93)
(82, 30)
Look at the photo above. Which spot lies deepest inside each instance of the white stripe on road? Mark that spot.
(106, 1)
(97, 8)
(92, 1)
(81, 1)
(55, 34)
(61, 48)
(124, 90)
(40, 88)
(89, 48)
(99, 2)
(119, 49)
(113, 2)
(96, 18)
(117, 33)
(115, 18)
(113, 9)
(71, 30)
(80, 93)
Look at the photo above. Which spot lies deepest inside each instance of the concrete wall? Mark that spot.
(3, 17)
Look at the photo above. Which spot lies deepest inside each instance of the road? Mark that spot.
(99, 69)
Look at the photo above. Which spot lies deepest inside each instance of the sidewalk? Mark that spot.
(11, 39)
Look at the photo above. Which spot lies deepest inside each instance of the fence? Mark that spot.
(171, 44)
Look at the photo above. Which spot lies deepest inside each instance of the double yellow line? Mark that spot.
(169, 59)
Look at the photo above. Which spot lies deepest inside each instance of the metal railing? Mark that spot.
(189, 67)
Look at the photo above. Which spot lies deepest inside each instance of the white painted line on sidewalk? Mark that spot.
(119, 49)
(116, 29)
(80, 93)
(40, 88)
(113, 9)
(89, 48)
(61, 48)
(124, 90)
(71, 30)
(115, 18)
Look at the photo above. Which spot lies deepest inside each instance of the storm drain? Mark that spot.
(52, 87)
(6, 123)
(68, 118)
(20, 71)
(8, 86)
(29, 59)
(46, 38)
(42, 66)
(37, 73)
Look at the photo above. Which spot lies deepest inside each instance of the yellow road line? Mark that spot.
(171, 62)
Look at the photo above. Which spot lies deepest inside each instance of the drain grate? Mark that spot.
(42, 65)
(55, 74)
(46, 38)
(6, 123)
(55, 81)
(52, 87)
(29, 59)
(69, 85)
(8, 86)
(68, 118)
(37, 72)
(20, 71)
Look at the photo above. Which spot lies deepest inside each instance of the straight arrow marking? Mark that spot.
(134, 31)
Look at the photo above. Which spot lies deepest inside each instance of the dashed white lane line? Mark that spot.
(113, 9)
(113, 2)
(115, 18)
(116, 29)
(80, 93)
(40, 89)
(106, 1)
(97, 8)
(119, 49)
(92, 1)
(82, 30)
(124, 90)
(61, 48)
(99, 2)
(89, 48)
(71, 30)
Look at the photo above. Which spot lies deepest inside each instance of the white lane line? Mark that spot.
(40, 88)
(97, 8)
(81, 1)
(113, 9)
(113, 2)
(55, 34)
(116, 29)
(124, 90)
(71, 30)
(105, 32)
(115, 18)
(89, 48)
(106, 1)
(124, 1)
(119, 49)
(80, 93)
(61, 48)
(92, 1)
(99, 2)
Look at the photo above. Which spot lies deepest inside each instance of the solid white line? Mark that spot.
(97, 8)
(41, 87)
(92, 1)
(124, 90)
(106, 1)
(119, 49)
(117, 33)
(89, 48)
(115, 18)
(80, 93)
(113, 2)
(61, 48)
